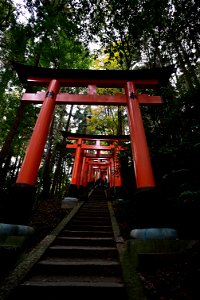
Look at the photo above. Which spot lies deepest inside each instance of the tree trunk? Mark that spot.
(46, 167)
(181, 61)
(60, 158)
(12, 133)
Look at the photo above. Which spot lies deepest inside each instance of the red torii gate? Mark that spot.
(130, 80)
(93, 169)
(81, 156)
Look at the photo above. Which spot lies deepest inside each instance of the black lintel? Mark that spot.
(95, 137)
(85, 77)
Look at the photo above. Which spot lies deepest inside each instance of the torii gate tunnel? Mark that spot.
(55, 79)
(90, 167)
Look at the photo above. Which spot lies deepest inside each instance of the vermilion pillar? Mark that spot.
(90, 174)
(112, 170)
(22, 194)
(117, 167)
(77, 161)
(84, 173)
(109, 173)
(141, 157)
(34, 152)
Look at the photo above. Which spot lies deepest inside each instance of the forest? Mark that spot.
(110, 35)
(104, 35)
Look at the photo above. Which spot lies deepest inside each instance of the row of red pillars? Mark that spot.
(89, 167)
(141, 158)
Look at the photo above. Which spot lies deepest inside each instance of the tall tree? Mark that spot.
(49, 38)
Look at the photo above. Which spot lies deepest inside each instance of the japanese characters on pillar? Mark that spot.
(117, 166)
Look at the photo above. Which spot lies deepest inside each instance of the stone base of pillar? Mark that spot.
(20, 204)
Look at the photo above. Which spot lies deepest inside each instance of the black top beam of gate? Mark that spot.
(68, 135)
(143, 78)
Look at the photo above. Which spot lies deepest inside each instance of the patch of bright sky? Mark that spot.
(94, 46)
(24, 14)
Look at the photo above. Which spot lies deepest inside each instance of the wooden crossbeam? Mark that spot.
(97, 155)
(92, 147)
(98, 163)
(74, 99)
(94, 137)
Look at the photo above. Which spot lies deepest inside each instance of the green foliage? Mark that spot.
(6, 14)
(189, 196)
(8, 108)
(103, 121)
(132, 34)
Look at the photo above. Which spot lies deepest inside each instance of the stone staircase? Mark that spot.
(82, 261)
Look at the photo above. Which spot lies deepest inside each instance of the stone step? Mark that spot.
(87, 241)
(86, 217)
(94, 210)
(78, 268)
(112, 280)
(95, 204)
(82, 251)
(86, 233)
(92, 215)
(82, 261)
(59, 290)
(89, 223)
(97, 221)
(89, 227)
